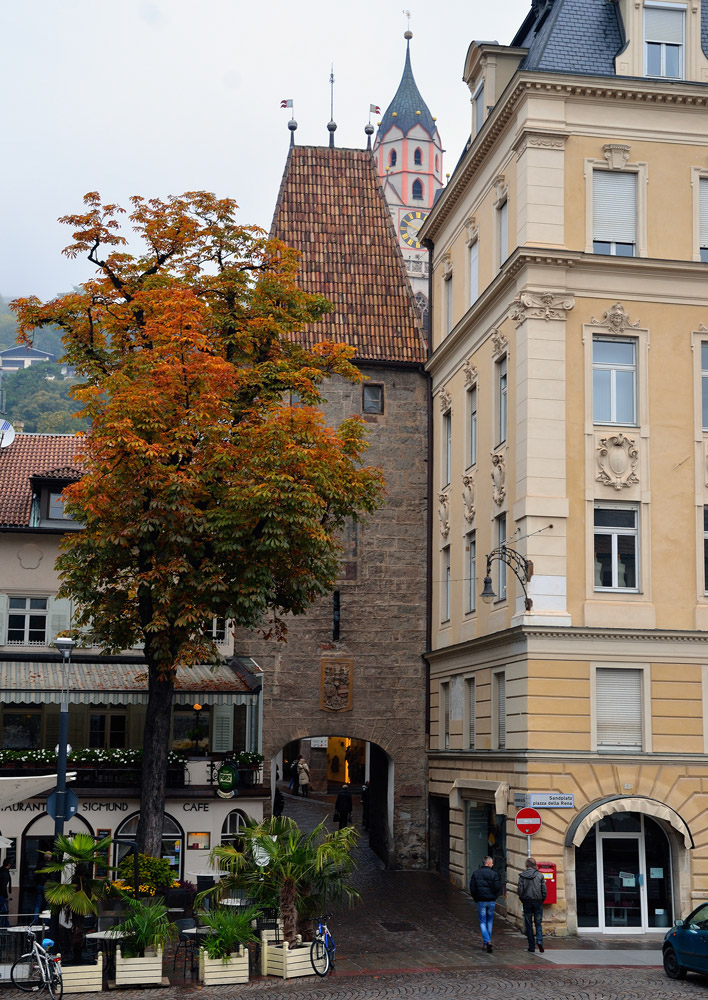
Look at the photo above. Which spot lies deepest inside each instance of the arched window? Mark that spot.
(418, 157)
(233, 827)
(436, 161)
(417, 190)
(392, 157)
(172, 841)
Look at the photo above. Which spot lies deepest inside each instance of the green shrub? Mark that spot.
(154, 873)
(230, 927)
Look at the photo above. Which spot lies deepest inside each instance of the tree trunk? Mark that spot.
(156, 740)
(288, 911)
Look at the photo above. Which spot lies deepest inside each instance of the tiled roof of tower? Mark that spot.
(49, 456)
(407, 109)
(572, 36)
(332, 209)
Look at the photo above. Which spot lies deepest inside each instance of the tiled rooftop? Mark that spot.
(50, 456)
(332, 209)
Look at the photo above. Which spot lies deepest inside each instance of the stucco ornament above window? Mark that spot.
(468, 496)
(445, 401)
(444, 514)
(498, 478)
(616, 154)
(499, 343)
(541, 305)
(502, 189)
(471, 374)
(472, 230)
(617, 460)
(447, 266)
(615, 319)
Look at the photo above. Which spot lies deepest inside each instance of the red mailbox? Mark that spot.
(548, 870)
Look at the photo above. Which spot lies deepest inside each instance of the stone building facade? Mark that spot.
(362, 677)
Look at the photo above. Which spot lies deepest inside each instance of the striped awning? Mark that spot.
(100, 683)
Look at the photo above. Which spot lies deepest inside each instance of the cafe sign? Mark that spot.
(227, 781)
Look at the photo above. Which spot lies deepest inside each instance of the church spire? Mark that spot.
(407, 109)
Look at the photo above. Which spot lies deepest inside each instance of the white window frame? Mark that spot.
(613, 368)
(449, 303)
(471, 550)
(501, 382)
(616, 154)
(472, 424)
(501, 531)
(503, 230)
(614, 533)
(28, 612)
(699, 188)
(646, 736)
(674, 8)
(470, 713)
(445, 584)
(473, 270)
(447, 448)
(444, 714)
(478, 107)
(499, 704)
(705, 549)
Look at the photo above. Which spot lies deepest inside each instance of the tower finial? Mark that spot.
(331, 124)
(408, 34)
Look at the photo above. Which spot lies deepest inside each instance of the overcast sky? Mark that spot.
(157, 97)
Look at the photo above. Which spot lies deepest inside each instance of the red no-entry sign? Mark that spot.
(528, 821)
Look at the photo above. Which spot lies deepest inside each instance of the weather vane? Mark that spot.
(408, 15)
(331, 98)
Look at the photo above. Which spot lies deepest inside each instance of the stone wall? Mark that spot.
(382, 623)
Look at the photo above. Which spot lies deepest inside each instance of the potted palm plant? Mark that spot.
(303, 871)
(223, 957)
(78, 893)
(143, 934)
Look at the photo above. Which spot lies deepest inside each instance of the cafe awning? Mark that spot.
(115, 683)
(18, 789)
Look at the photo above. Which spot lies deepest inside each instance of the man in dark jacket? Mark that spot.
(485, 886)
(5, 890)
(343, 806)
(532, 892)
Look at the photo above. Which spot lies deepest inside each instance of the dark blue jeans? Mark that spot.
(485, 912)
(533, 914)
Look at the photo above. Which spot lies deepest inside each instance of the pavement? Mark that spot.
(415, 935)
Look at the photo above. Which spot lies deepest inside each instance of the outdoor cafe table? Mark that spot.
(107, 942)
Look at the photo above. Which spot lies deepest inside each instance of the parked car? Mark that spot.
(685, 947)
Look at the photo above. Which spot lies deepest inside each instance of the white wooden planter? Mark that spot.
(279, 960)
(146, 971)
(215, 972)
(83, 978)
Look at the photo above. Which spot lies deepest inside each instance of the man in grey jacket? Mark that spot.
(532, 892)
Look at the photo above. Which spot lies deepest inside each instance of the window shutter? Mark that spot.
(619, 709)
(136, 726)
(222, 737)
(3, 617)
(59, 617)
(501, 710)
(703, 211)
(614, 206)
(663, 25)
(471, 711)
(51, 727)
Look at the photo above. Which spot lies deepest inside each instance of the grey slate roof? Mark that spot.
(576, 36)
(406, 102)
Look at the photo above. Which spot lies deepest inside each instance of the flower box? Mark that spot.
(215, 972)
(83, 978)
(280, 960)
(145, 971)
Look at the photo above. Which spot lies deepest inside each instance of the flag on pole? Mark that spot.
(286, 104)
(374, 109)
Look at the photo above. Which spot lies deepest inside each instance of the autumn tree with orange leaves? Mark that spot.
(206, 493)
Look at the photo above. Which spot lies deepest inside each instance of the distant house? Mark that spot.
(15, 358)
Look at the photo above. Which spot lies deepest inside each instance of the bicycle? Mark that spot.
(322, 948)
(37, 969)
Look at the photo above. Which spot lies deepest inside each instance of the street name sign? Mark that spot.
(552, 800)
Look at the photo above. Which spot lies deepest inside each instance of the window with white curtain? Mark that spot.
(474, 271)
(503, 231)
(664, 27)
(502, 401)
(703, 218)
(614, 212)
(445, 592)
(471, 572)
(619, 709)
(472, 425)
(447, 448)
(449, 314)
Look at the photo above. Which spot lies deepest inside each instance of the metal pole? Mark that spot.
(528, 846)
(63, 750)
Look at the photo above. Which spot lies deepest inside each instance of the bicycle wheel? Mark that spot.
(56, 981)
(319, 956)
(26, 973)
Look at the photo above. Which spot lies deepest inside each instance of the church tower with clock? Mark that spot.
(408, 156)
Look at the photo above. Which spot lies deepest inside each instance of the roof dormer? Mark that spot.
(488, 69)
(663, 40)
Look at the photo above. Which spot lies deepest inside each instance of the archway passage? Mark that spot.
(336, 761)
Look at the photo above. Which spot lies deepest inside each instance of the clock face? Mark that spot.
(409, 228)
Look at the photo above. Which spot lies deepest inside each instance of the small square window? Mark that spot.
(373, 398)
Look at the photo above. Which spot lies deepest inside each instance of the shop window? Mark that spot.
(233, 827)
(171, 847)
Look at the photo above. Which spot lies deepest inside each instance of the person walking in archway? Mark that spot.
(343, 807)
(485, 887)
(303, 776)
